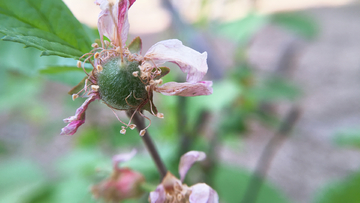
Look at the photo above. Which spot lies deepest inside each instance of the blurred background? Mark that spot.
(281, 126)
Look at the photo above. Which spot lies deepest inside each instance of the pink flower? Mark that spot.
(172, 189)
(124, 183)
(124, 79)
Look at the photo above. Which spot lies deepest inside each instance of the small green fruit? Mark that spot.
(118, 87)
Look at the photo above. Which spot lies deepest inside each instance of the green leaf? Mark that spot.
(299, 24)
(78, 87)
(164, 71)
(47, 25)
(61, 69)
(135, 46)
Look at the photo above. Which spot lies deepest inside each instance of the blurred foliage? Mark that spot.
(346, 190)
(348, 138)
(231, 184)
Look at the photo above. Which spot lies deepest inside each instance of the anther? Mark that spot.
(97, 55)
(117, 49)
(132, 126)
(95, 88)
(123, 131)
(147, 87)
(78, 64)
(142, 132)
(74, 96)
(159, 82)
(135, 73)
(95, 45)
(160, 115)
(99, 68)
(152, 82)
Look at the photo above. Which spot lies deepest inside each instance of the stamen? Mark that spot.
(159, 82)
(123, 131)
(160, 115)
(147, 87)
(99, 68)
(95, 88)
(118, 50)
(132, 126)
(142, 132)
(97, 55)
(78, 64)
(135, 73)
(107, 43)
(74, 96)
(95, 45)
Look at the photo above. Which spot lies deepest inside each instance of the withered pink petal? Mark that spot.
(158, 196)
(202, 193)
(117, 159)
(78, 119)
(122, 18)
(186, 89)
(190, 61)
(187, 160)
(72, 127)
(104, 4)
(107, 25)
(131, 3)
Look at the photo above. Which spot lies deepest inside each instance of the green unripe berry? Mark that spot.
(116, 82)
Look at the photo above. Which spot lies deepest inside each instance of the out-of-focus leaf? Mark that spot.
(61, 69)
(231, 183)
(19, 179)
(301, 25)
(348, 137)
(224, 93)
(242, 30)
(47, 25)
(343, 191)
(275, 89)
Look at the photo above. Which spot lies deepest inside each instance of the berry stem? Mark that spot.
(150, 146)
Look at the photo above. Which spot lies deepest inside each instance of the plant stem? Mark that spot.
(268, 154)
(139, 121)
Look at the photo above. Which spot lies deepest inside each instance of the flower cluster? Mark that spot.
(124, 79)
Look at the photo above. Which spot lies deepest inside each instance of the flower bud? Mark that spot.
(123, 184)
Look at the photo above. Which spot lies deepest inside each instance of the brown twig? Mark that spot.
(268, 155)
(150, 146)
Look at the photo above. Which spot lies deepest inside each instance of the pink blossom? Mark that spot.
(143, 73)
(189, 61)
(172, 189)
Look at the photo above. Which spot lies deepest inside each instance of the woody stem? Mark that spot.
(139, 121)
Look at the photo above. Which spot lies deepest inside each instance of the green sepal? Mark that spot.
(78, 87)
(164, 71)
(147, 106)
(135, 46)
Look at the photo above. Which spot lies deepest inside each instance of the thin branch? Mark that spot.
(150, 146)
(268, 155)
